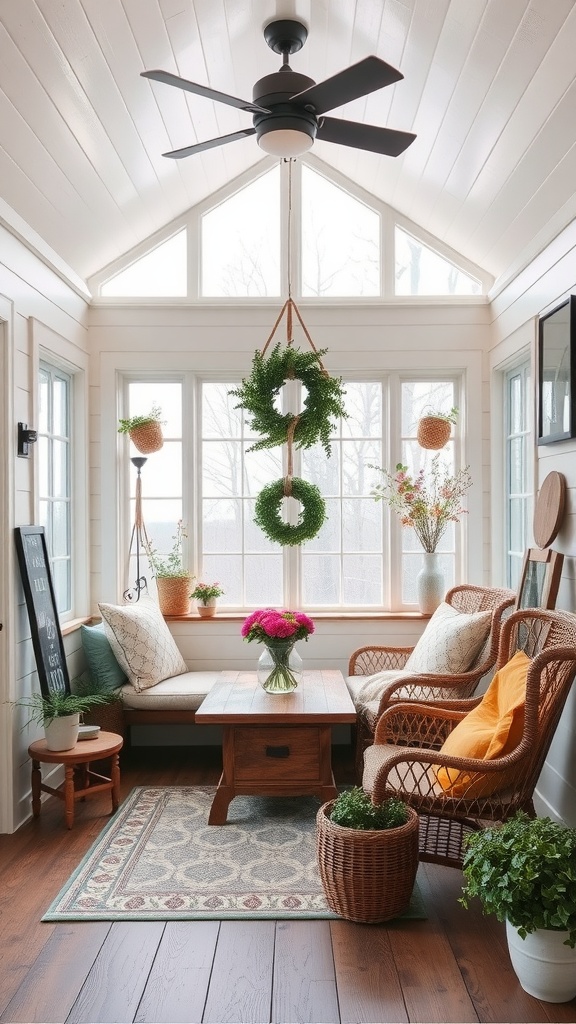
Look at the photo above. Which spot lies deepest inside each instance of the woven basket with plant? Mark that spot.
(434, 429)
(367, 856)
(145, 432)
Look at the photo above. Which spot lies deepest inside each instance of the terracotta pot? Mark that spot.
(433, 432)
(148, 438)
(174, 594)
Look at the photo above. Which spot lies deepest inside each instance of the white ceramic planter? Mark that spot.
(62, 733)
(544, 966)
(208, 610)
(430, 585)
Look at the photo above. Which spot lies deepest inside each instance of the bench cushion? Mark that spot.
(184, 692)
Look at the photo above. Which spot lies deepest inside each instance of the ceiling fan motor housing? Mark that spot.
(274, 91)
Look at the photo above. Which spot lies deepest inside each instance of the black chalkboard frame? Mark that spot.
(40, 597)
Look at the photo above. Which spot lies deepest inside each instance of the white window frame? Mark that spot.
(523, 369)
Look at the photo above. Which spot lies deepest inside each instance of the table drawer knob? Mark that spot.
(277, 751)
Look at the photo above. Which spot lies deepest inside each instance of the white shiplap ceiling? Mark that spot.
(489, 88)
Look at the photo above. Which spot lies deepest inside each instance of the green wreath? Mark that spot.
(267, 513)
(323, 403)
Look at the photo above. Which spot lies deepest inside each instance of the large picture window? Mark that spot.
(362, 558)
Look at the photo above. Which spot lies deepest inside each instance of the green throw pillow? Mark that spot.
(102, 665)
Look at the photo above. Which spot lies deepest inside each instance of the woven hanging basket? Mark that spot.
(433, 432)
(174, 594)
(367, 876)
(148, 438)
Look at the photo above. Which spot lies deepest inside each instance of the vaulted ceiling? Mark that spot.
(489, 88)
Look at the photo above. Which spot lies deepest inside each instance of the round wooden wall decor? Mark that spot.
(549, 510)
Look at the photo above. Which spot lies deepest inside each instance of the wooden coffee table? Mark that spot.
(275, 744)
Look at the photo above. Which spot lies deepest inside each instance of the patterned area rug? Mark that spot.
(158, 859)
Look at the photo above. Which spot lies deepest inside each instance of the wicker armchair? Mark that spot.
(368, 660)
(549, 640)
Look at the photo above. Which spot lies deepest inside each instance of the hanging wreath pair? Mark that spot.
(324, 400)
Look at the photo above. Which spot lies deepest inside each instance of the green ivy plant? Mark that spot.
(324, 400)
(140, 421)
(450, 417)
(525, 871)
(268, 512)
(169, 565)
(354, 809)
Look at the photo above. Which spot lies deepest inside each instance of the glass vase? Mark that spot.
(279, 667)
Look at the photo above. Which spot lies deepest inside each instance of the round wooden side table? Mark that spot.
(79, 779)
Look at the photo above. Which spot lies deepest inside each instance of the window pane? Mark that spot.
(319, 470)
(222, 524)
(420, 397)
(421, 271)
(364, 408)
(54, 481)
(247, 263)
(328, 537)
(61, 580)
(340, 240)
(162, 272)
(142, 395)
(320, 579)
(362, 580)
(60, 393)
(263, 580)
(361, 525)
(219, 417)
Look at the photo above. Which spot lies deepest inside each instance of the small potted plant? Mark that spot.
(172, 579)
(145, 431)
(524, 872)
(206, 594)
(59, 713)
(434, 428)
(367, 855)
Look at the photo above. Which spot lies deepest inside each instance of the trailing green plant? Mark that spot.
(171, 564)
(524, 871)
(85, 685)
(450, 417)
(324, 400)
(44, 710)
(268, 512)
(140, 421)
(354, 809)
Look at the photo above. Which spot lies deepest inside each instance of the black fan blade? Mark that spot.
(203, 90)
(364, 136)
(358, 80)
(199, 147)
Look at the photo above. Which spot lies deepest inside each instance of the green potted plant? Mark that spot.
(524, 872)
(173, 580)
(59, 713)
(434, 428)
(206, 594)
(367, 855)
(145, 431)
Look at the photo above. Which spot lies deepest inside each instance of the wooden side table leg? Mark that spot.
(36, 788)
(115, 776)
(69, 794)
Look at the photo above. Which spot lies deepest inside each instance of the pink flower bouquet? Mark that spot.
(279, 631)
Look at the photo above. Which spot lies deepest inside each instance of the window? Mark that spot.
(54, 478)
(340, 241)
(362, 557)
(519, 483)
(161, 272)
(421, 271)
(241, 242)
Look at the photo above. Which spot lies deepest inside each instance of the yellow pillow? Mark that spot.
(492, 729)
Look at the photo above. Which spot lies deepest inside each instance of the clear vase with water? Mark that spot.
(279, 667)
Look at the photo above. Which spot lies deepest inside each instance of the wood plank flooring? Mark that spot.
(452, 967)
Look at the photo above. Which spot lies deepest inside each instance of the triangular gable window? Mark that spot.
(161, 273)
(422, 271)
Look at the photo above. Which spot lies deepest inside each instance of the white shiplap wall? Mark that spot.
(40, 312)
(545, 283)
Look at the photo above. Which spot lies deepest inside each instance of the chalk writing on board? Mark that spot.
(42, 611)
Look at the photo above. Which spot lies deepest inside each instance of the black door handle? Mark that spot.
(277, 751)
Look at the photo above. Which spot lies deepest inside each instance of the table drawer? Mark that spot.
(262, 753)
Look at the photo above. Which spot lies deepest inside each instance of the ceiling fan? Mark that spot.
(288, 108)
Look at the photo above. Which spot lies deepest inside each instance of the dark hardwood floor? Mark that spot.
(452, 967)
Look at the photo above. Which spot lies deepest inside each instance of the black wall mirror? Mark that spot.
(556, 368)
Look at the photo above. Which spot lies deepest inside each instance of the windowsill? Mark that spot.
(323, 616)
(73, 624)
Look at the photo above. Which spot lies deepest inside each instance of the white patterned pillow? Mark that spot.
(142, 643)
(450, 642)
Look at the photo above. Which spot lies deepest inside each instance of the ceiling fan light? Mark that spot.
(285, 142)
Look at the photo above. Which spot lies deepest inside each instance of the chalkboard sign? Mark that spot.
(42, 611)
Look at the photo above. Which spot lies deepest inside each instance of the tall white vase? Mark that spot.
(62, 733)
(430, 585)
(544, 966)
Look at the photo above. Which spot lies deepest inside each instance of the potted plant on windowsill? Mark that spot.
(173, 581)
(59, 713)
(206, 595)
(145, 432)
(367, 856)
(434, 428)
(524, 872)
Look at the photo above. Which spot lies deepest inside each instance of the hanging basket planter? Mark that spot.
(433, 432)
(148, 438)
